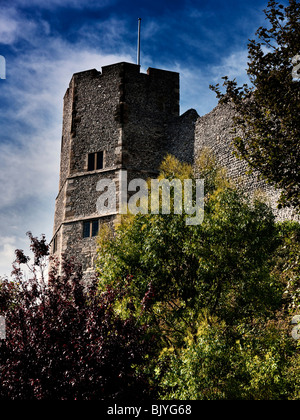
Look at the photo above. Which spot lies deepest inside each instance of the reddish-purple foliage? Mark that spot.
(64, 341)
(39, 247)
(20, 257)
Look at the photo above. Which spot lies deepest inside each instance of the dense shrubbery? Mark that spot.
(64, 341)
(175, 311)
(218, 296)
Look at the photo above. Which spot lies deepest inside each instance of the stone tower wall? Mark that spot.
(123, 114)
(151, 103)
(215, 131)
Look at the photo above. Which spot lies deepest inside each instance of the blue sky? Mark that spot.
(45, 41)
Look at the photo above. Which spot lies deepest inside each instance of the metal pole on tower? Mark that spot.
(139, 43)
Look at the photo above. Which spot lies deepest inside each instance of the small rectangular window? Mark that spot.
(90, 228)
(54, 244)
(91, 162)
(86, 229)
(95, 227)
(100, 160)
(95, 161)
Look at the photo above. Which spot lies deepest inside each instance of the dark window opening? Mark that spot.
(90, 228)
(95, 227)
(95, 161)
(100, 160)
(91, 162)
(54, 244)
(86, 229)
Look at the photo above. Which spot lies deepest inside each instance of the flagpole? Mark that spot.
(139, 43)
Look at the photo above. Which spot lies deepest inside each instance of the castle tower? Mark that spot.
(113, 120)
(122, 119)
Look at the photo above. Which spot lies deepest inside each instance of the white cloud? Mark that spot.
(194, 89)
(8, 29)
(195, 81)
(9, 25)
(32, 120)
(233, 66)
(7, 255)
(14, 25)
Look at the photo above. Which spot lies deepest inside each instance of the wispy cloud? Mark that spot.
(113, 33)
(7, 246)
(31, 117)
(194, 80)
(8, 27)
(234, 66)
(15, 25)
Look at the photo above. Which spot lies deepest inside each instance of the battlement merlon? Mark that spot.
(163, 84)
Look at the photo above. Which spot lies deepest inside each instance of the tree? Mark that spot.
(287, 267)
(221, 266)
(63, 339)
(255, 361)
(214, 295)
(269, 111)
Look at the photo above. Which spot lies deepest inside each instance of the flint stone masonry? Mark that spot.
(215, 130)
(134, 119)
(126, 115)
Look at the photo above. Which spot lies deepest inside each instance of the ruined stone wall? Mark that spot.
(181, 136)
(215, 131)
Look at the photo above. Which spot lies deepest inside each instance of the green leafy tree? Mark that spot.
(269, 110)
(213, 295)
(287, 267)
(256, 361)
(173, 271)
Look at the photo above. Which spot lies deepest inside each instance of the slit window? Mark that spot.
(90, 228)
(54, 244)
(95, 161)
